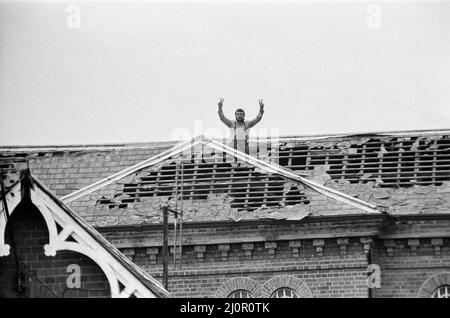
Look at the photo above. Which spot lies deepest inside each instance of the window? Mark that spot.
(284, 292)
(239, 287)
(285, 286)
(442, 292)
(240, 293)
(436, 286)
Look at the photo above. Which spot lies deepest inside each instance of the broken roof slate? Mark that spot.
(212, 209)
(65, 169)
(413, 200)
(111, 202)
(68, 168)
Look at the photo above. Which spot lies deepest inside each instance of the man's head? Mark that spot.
(239, 114)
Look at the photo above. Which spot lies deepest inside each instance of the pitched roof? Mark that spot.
(369, 166)
(258, 163)
(216, 187)
(133, 278)
(358, 158)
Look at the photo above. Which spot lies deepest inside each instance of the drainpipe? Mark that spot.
(165, 245)
(369, 262)
(367, 242)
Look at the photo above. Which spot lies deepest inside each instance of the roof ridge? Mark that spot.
(165, 143)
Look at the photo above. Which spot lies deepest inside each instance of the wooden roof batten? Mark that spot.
(270, 168)
(118, 269)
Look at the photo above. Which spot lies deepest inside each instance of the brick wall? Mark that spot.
(220, 258)
(244, 231)
(345, 278)
(323, 267)
(407, 263)
(327, 257)
(45, 276)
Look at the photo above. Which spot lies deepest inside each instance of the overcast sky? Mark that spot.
(140, 71)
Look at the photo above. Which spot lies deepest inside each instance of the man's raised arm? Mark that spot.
(258, 118)
(222, 117)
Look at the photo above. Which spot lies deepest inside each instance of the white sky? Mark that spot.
(138, 71)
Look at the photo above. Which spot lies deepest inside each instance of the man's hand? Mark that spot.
(261, 105)
(220, 104)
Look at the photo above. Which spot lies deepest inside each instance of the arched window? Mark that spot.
(284, 292)
(436, 286)
(441, 292)
(285, 286)
(239, 287)
(240, 293)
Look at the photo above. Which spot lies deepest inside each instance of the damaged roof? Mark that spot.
(399, 172)
(209, 181)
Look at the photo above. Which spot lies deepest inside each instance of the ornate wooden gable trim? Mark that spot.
(125, 278)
